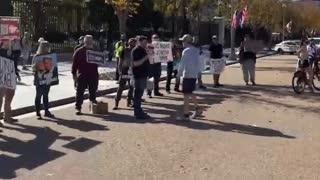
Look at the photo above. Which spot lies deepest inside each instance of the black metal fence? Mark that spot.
(42, 17)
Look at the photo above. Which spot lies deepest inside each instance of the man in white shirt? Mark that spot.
(189, 69)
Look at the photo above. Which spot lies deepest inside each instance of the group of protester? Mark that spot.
(135, 67)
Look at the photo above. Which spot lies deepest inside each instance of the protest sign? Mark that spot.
(9, 28)
(46, 68)
(8, 78)
(162, 52)
(96, 57)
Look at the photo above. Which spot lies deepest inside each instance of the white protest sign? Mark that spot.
(8, 78)
(96, 57)
(162, 52)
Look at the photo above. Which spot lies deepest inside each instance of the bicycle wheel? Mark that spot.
(316, 81)
(298, 82)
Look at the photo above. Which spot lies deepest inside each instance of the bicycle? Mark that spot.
(300, 78)
(316, 75)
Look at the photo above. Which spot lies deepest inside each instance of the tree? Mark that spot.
(124, 9)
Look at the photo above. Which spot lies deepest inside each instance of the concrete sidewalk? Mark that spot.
(263, 132)
(64, 93)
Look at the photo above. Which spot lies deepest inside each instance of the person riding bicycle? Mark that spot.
(312, 52)
(303, 62)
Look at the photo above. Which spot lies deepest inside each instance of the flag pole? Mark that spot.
(232, 33)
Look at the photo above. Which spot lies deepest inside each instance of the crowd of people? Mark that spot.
(135, 68)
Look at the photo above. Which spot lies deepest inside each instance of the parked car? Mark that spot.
(316, 41)
(290, 46)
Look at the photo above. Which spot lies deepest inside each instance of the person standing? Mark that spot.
(84, 74)
(140, 69)
(119, 46)
(26, 50)
(155, 72)
(5, 93)
(16, 51)
(189, 68)
(248, 49)
(216, 51)
(125, 72)
(172, 68)
(42, 90)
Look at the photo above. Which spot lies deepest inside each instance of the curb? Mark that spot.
(61, 102)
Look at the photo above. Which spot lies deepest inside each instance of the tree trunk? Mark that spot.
(122, 18)
(173, 28)
(79, 19)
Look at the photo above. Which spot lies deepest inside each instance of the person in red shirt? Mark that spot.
(84, 74)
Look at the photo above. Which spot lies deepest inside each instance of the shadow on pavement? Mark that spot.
(30, 154)
(206, 101)
(80, 125)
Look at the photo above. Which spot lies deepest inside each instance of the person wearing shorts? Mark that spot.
(189, 69)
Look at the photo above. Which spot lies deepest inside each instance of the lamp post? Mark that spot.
(232, 33)
(283, 20)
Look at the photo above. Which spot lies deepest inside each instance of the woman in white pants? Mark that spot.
(248, 50)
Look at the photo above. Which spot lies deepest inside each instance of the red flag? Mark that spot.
(234, 22)
(244, 15)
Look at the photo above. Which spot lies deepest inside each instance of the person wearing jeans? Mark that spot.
(84, 74)
(125, 71)
(172, 69)
(42, 87)
(155, 72)
(140, 68)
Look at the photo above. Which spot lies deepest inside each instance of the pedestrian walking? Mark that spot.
(189, 69)
(172, 68)
(140, 71)
(84, 74)
(26, 50)
(42, 90)
(217, 61)
(155, 72)
(16, 51)
(248, 49)
(5, 93)
(125, 73)
(119, 46)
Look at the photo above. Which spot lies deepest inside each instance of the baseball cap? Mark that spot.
(214, 37)
(187, 38)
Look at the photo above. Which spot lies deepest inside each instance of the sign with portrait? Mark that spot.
(9, 28)
(46, 69)
(8, 78)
